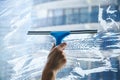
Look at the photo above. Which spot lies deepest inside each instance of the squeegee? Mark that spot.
(59, 35)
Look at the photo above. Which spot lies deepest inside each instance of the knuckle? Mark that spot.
(64, 60)
(60, 51)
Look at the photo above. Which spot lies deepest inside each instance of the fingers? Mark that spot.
(57, 58)
(57, 50)
(51, 50)
(62, 46)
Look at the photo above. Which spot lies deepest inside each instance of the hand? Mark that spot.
(56, 60)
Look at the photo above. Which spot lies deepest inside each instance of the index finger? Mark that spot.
(62, 46)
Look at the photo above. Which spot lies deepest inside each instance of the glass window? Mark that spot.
(68, 11)
(94, 14)
(58, 12)
(76, 15)
(58, 17)
(72, 16)
(50, 13)
(58, 20)
(76, 11)
(42, 22)
(50, 18)
(50, 21)
(84, 15)
(69, 17)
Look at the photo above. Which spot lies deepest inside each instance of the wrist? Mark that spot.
(48, 74)
(50, 67)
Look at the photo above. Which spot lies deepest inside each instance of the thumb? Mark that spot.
(62, 46)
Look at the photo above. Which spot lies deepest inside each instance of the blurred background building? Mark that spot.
(72, 14)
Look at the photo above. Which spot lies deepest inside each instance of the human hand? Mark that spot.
(56, 60)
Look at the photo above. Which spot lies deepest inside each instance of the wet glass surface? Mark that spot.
(90, 56)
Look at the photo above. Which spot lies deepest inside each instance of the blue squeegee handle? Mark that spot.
(59, 36)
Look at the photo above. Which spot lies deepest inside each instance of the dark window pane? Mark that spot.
(76, 15)
(50, 21)
(58, 17)
(94, 14)
(68, 13)
(84, 15)
(58, 20)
